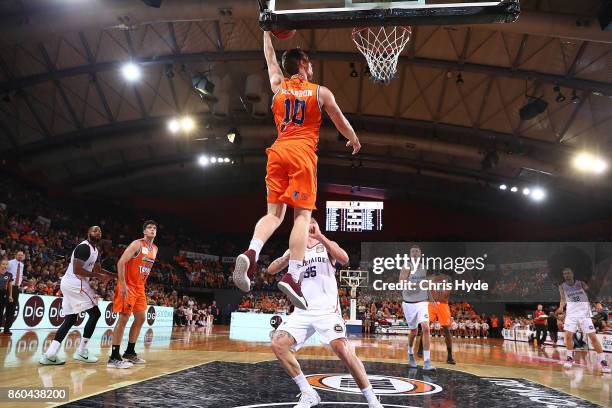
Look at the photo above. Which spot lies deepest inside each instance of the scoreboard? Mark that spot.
(354, 216)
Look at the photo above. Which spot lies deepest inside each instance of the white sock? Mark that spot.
(83, 345)
(570, 353)
(256, 245)
(369, 394)
(294, 269)
(410, 351)
(53, 348)
(302, 382)
(426, 355)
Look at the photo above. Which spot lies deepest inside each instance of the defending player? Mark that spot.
(291, 171)
(578, 315)
(416, 313)
(323, 316)
(439, 312)
(78, 296)
(134, 268)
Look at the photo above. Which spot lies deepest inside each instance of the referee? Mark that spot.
(15, 267)
(6, 287)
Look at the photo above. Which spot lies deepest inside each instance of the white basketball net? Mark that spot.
(381, 46)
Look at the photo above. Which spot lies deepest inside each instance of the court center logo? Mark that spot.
(151, 315)
(381, 384)
(56, 313)
(33, 311)
(109, 316)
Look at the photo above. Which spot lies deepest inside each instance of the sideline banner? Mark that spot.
(45, 312)
(524, 336)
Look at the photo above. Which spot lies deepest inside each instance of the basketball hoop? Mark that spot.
(381, 47)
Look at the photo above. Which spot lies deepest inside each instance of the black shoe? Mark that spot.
(7, 332)
(450, 360)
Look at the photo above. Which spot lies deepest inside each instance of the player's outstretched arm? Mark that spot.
(328, 101)
(274, 70)
(333, 249)
(279, 264)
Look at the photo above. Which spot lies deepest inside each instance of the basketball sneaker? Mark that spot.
(133, 358)
(244, 270)
(568, 363)
(450, 360)
(85, 357)
(55, 360)
(605, 368)
(412, 361)
(118, 363)
(427, 366)
(308, 399)
(376, 404)
(293, 290)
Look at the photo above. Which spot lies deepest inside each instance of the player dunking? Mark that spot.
(322, 315)
(415, 307)
(291, 171)
(578, 315)
(134, 268)
(78, 296)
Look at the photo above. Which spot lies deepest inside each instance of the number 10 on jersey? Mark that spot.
(295, 112)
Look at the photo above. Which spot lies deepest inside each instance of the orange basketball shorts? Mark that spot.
(291, 174)
(136, 301)
(440, 312)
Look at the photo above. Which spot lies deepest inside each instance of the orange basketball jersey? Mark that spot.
(297, 110)
(138, 268)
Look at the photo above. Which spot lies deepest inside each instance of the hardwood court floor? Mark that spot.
(170, 351)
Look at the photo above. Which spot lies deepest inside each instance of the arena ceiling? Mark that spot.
(68, 117)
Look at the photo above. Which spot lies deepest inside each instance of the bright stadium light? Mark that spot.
(526, 191)
(538, 194)
(131, 72)
(588, 163)
(514, 189)
(203, 160)
(213, 160)
(503, 187)
(226, 160)
(599, 166)
(174, 126)
(187, 124)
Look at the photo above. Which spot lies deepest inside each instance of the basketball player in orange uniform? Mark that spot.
(439, 310)
(133, 268)
(291, 172)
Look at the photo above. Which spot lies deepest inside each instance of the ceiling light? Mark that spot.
(174, 126)
(131, 72)
(514, 189)
(203, 160)
(233, 135)
(213, 160)
(187, 124)
(503, 187)
(202, 85)
(526, 191)
(226, 160)
(538, 194)
(599, 166)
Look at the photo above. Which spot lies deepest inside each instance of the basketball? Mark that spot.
(283, 34)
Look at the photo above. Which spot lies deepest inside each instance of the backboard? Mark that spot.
(303, 14)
